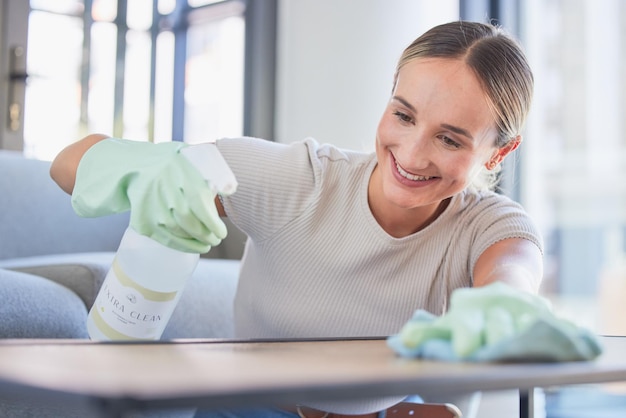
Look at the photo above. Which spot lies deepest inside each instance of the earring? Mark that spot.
(492, 164)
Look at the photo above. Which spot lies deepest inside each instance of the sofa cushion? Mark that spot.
(205, 309)
(35, 307)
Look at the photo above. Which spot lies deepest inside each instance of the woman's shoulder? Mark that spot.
(316, 149)
(333, 153)
(485, 217)
(480, 206)
(480, 199)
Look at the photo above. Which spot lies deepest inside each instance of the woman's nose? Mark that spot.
(418, 152)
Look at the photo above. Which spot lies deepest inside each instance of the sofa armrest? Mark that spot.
(35, 307)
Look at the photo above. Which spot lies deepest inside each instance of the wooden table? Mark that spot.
(121, 377)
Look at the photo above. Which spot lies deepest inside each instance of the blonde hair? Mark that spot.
(500, 65)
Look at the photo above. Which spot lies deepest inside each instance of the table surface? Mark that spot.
(227, 373)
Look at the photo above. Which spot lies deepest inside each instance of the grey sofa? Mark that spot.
(52, 264)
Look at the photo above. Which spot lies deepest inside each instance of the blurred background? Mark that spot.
(198, 70)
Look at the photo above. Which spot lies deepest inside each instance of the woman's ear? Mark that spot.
(502, 152)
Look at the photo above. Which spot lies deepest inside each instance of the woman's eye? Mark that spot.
(403, 117)
(449, 141)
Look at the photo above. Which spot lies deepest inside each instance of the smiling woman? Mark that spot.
(507, 95)
(436, 135)
(349, 244)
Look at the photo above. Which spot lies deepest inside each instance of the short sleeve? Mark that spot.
(276, 182)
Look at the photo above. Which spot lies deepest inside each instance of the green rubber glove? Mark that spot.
(168, 198)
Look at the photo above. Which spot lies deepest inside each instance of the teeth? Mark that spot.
(409, 175)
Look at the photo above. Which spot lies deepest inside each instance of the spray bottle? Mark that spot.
(146, 279)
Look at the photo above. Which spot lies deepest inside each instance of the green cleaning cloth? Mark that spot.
(495, 323)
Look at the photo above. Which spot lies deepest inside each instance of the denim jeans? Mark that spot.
(246, 413)
(252, 413)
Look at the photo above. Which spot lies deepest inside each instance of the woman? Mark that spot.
(344, 243)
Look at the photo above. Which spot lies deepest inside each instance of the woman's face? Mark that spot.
(435, 134)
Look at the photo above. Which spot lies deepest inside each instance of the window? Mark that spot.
(151, 70)
(573, 157)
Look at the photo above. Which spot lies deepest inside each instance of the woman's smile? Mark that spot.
(408, 178)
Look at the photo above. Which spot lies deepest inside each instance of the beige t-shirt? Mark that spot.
(317, 263)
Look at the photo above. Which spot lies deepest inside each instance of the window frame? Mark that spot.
(260, 20)
(507, 14)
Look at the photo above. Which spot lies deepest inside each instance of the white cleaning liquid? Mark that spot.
(146, 279)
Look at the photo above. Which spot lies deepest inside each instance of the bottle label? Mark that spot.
(125, 310)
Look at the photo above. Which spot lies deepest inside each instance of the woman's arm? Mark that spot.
(64, 166)
(515, 261)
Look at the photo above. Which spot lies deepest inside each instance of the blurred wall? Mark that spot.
(336, 61)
